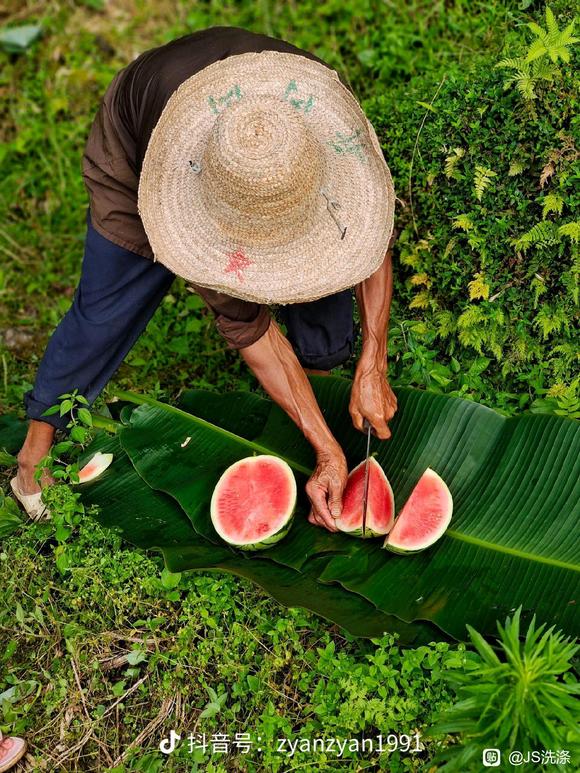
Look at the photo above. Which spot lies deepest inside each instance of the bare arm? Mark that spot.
(372, 397)
(276, 367)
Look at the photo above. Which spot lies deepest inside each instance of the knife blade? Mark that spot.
(367, 426)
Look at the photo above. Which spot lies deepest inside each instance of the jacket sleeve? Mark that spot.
(241, 323)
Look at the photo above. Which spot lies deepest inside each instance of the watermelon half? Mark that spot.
(424, 517)
(253, 502)
(380, 503)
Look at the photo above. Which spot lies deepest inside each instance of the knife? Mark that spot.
(366, 426)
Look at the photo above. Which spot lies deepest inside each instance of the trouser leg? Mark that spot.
(321, 332)
(117, 294)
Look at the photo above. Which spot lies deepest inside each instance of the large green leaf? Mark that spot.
(12, 434)
(515, 484)
(194, 453)
(149, 518)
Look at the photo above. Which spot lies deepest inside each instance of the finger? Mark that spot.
(391, 408)
(320, 507)
(382, 431)
(316, 520)
(317, 497)
(312, 519)
(357, 419)
(335, 490)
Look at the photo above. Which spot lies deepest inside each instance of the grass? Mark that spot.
(102, 658)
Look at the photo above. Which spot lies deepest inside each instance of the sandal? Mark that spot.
(32, 503)
(11, 751)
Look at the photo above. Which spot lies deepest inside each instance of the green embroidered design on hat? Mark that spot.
(222, 102)
(304, 105)
(348, 144)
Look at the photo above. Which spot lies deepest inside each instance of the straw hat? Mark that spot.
(263, 179)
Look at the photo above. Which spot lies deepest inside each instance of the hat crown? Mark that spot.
(262, 171)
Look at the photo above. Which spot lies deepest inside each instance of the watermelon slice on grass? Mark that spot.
(380, 503)
(253, 502)
(424, 517)
(96, 465)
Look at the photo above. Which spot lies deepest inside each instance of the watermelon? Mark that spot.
(424, 517)
(380, 502)
(253, 502)
(95, 466)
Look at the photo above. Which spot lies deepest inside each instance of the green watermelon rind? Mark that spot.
(273, 538)
(269, 541)
(369, 533)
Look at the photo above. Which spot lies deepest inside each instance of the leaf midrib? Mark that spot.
(510, 551)
(143, 400)
(461, 537)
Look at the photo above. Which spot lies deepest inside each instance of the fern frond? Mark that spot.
(552, 202)
(552, 41)
(450, 246)
(472, 317)
(539, 287)
(478, 287)
(536, 49)
(516, 167)
(571, 230)
(420, 301)
(526, 85)
(421, 279)
(543, 233)
(482, 180)
(545, 70)
(551, 320)
(462, 223)
(512, 63)
(536, 29)
(551, 25)
(446, 324)
(451, 162)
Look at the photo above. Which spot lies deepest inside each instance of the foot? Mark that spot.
(12, 750)
(25, 478)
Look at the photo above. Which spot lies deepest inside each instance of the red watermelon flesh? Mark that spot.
(253, 502)
(380, 503)
(424, 517)
(95, 466)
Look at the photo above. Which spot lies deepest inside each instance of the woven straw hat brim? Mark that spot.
(305, 261)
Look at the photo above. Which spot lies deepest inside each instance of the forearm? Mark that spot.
(374, 303)
(276, 367)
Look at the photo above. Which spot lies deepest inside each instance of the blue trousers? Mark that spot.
(117, 295)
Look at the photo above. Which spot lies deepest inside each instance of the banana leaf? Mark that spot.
(194, 453)
(515, 483)
(120, 499)
(12, 434)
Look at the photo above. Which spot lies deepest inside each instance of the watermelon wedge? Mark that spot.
(253, 502)
(380, 506)
(424, 517)
(95, 466)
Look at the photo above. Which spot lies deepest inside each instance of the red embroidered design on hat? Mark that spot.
(238, 264)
